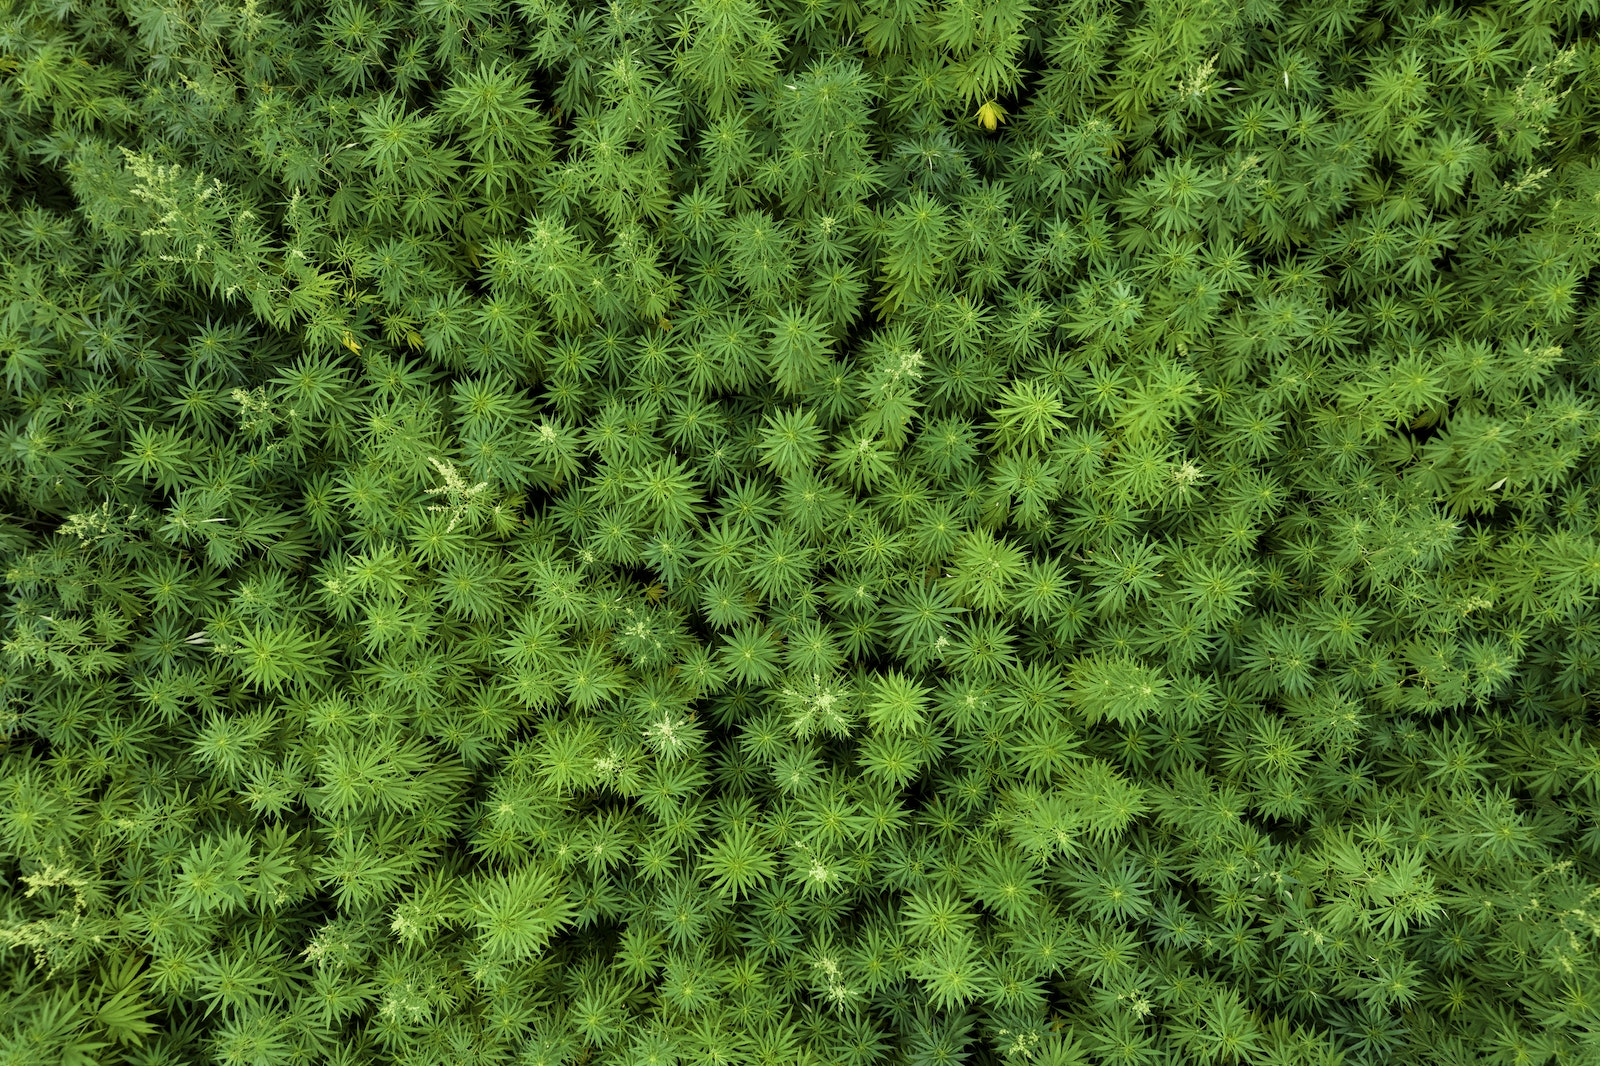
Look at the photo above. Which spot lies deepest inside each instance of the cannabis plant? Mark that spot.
(804, 532)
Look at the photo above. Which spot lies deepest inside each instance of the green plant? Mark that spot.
(798, 531)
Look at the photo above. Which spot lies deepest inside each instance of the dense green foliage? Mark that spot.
(799, 532)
